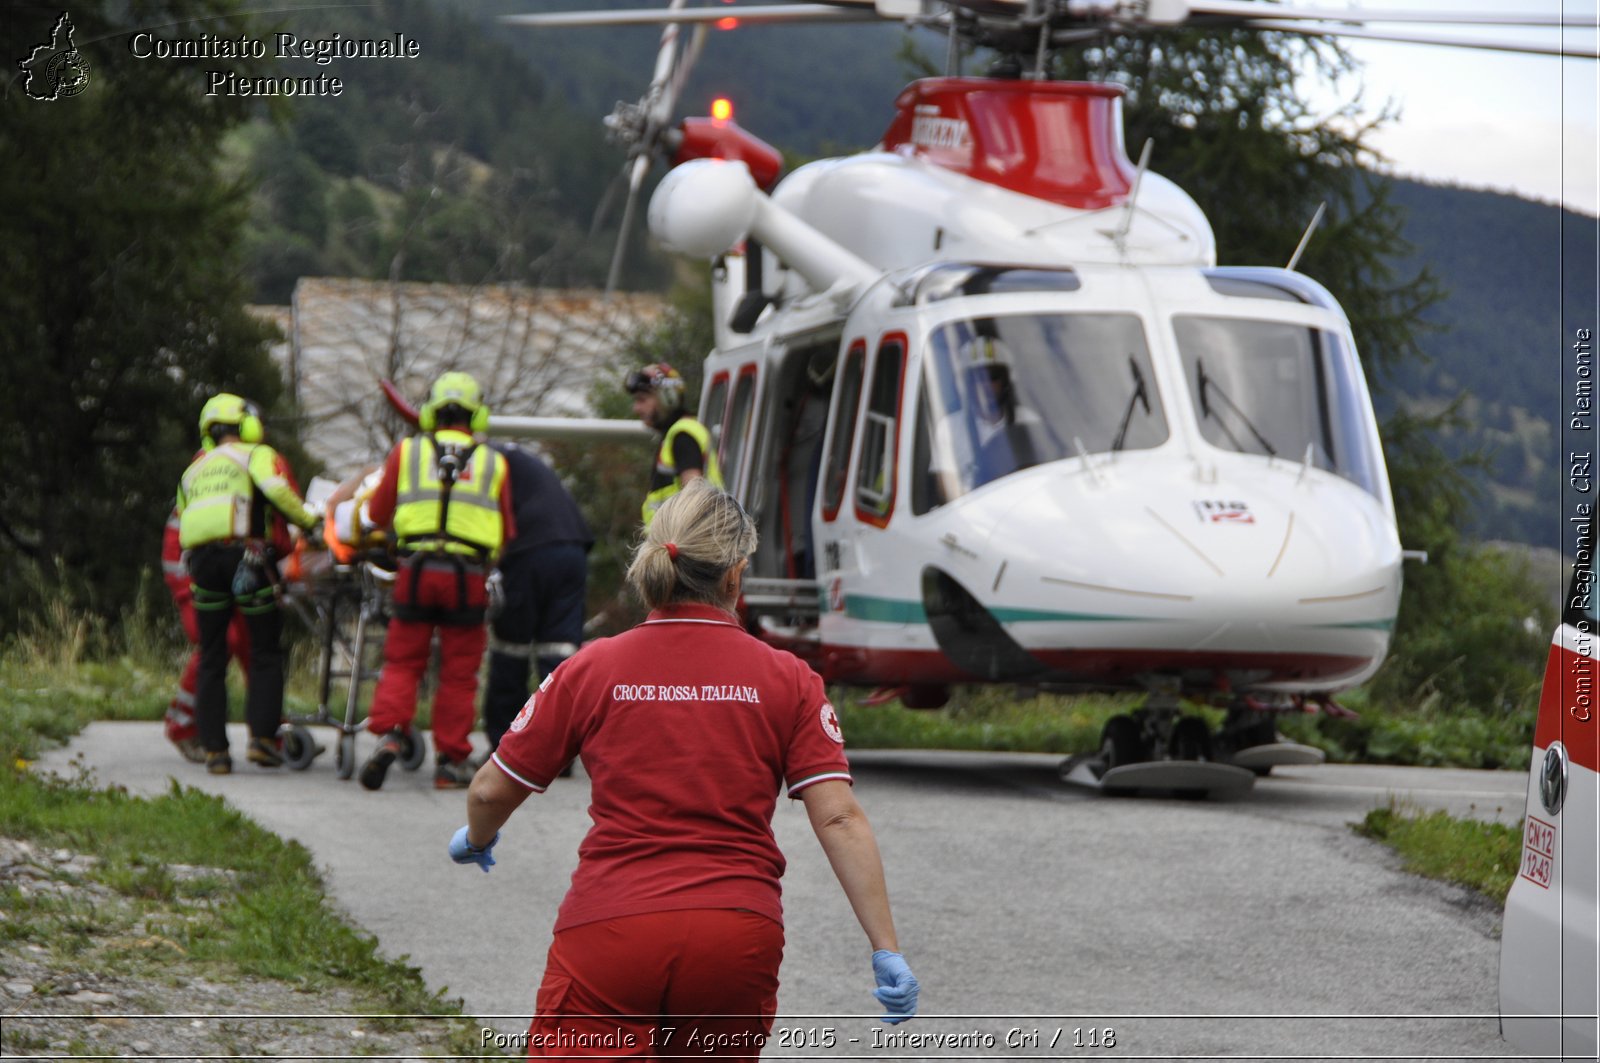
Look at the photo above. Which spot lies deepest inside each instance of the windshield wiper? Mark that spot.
(1141, 395)
(1203, 384)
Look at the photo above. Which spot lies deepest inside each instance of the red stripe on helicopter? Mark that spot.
(1059, 141)
(1567, 701)
(1111, 667)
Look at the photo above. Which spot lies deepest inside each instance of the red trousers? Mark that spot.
(180, 721)
(699, 982)
(405, 658)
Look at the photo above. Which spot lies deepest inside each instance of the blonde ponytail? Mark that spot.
(696, 537)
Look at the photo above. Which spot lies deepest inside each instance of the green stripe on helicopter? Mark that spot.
(898, 611)
(1366, 625)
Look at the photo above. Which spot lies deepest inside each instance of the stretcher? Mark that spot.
(345, 601)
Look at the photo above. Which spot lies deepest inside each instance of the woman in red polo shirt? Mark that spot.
(688, 728)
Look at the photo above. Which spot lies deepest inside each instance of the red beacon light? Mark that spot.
(720, 137)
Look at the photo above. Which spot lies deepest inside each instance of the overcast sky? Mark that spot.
(1485, 119)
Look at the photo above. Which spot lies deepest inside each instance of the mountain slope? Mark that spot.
(1521, 282)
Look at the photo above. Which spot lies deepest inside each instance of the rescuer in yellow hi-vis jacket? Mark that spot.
(229, 502)
(686, 451)
(447, 498)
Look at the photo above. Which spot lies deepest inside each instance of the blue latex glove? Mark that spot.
(897, 986)
(463, 851)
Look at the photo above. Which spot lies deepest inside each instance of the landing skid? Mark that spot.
(1156, 749)
(1260, 759)
(1185, 777)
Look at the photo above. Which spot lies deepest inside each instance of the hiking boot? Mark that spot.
(219, 763)
(267, 752)
(452, 775)
(191, 750)
(390, 746)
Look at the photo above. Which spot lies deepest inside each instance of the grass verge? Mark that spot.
(982, 718)
(992, 718)
(1481, 856)
(101, 888)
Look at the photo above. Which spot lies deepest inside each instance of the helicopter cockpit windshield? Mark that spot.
(1281, 390)
(988, 379)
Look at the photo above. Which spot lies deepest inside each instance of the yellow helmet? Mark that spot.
(229, 409)
(454, 389)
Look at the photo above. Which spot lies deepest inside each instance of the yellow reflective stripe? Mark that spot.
(712, 471)
(222, 510)
(702, 436)
(275, 486)
(409, 487)
(222, 453)
(474, 512)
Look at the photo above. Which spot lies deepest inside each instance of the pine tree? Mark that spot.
(123, 302)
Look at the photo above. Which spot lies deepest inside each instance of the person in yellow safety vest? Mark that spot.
(227, 502)
(447, 499)
(686, 451)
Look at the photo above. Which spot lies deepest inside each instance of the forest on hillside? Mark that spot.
(1519, 282)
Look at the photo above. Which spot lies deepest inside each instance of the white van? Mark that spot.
(1550, 951)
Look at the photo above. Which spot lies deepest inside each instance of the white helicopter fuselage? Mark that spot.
(1235, 568)
(1061, 445)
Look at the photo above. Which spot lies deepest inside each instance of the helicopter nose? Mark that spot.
(1292, 579)
(1171, 538)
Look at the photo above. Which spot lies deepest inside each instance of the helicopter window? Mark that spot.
(846, 408)
(714, 408)
(957, 279)
(875, 479)
(1250, 289)
(1281, 390)
(1001, 394)
(735, 438)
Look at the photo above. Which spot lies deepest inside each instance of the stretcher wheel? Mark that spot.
(415, 751)
(299, 748)
(347, 755)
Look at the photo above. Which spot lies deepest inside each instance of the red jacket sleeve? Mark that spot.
(380, 509)
(279, 533)
(508, 510)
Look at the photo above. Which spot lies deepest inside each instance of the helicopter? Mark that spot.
(1001, 416)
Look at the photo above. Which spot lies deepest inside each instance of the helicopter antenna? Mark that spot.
(1121, 235)
(1041, 55)
(1316, 218)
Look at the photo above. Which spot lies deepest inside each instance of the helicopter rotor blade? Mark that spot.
(1567, 51)
(764, 14)
(640, 165)
(642, 126)
(603, 211)
(691, 55)
(1247, 9)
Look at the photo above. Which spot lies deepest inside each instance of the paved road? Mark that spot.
(1258, 927)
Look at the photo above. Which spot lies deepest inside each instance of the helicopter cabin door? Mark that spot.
(727, 410)
(772, 459)
(861, 483)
